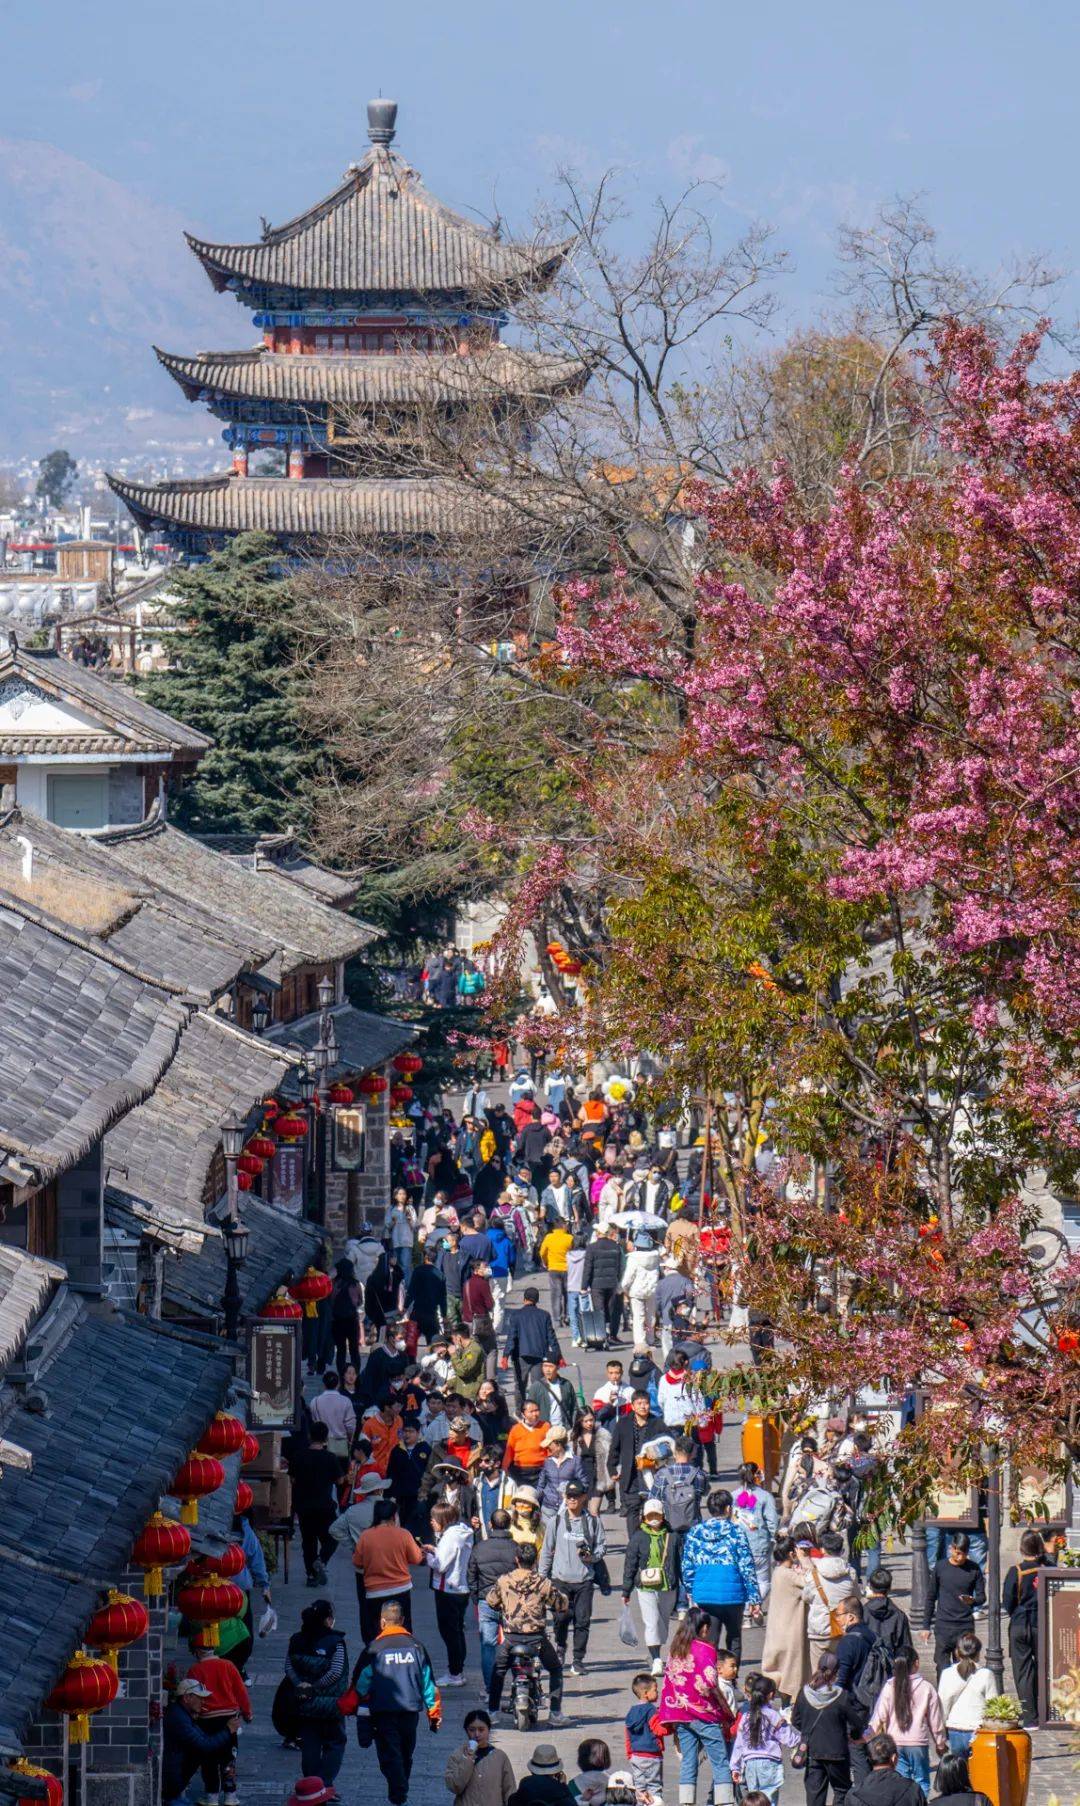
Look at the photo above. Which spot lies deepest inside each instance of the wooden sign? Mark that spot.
(274, 1375)
(1059, 1642)
(349, 1140)
(288, 1176)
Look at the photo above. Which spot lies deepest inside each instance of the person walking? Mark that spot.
(629, 1434)
(761, 1732)
(554, 1394)
(651, 1573)
(316, 1474)
(641, 1276)
(602, 1277)
(334, 1409)
(523, 1599)
(909, 1710)
(784, 1657)
(489, 1559)
(889, 1624)
(1020, 1597)
(963, 1689)
(395, 1681)
(956, 1589)
(426, 1297)
(400, 1232)
(558, 1470)
(448, 1559)
(591, 1444)
(577, 1299)
(883, 1786)
(477, 1772)
(718, 1568)
(755, 1510)
(693, 1703)
(554, 1254)
(346, 1304)
(829, 1578)
(384, 1558)
(316, 1664)
(826, 1719)
(574, 1542)
(530, 1335)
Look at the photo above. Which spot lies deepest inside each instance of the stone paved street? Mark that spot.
(594, 1705)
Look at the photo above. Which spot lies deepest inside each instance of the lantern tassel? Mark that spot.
(79, 1727)
(311, 1308)
(152, 1583)
(189, 1511)
(211, 1637)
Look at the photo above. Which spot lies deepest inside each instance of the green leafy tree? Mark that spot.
(58, 471)
(235, 680)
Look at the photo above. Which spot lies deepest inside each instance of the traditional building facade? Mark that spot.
(373, 303)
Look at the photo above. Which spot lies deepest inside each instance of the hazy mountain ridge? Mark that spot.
(91, 276)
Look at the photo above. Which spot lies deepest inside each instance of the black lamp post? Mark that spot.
(233, 1231)
(260, 1015)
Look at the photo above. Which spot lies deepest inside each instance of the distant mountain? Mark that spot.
(92, 275)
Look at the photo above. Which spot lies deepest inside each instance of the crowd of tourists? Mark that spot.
(451, 1443)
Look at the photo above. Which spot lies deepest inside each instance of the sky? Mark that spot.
(809, 115)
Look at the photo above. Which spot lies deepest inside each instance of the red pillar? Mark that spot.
(240, 460)
(296, 461)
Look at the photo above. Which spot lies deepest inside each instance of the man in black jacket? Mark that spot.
(530, 1335)
(602, 1276)
(956, 1588)
(628, 1437)
(889, 1624)
(316, 1474)
(531, 1147)
(425, 1296)
(555, 1396)
(492, 1557)
(883, 1786)
(188, 1743)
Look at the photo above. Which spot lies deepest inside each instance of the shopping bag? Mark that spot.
(627, 1633)
(268, 1621)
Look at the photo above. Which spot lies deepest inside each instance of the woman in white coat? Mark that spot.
(641, 1276)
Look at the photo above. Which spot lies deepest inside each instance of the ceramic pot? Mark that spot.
(1000, 1763)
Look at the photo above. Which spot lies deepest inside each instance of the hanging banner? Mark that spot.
(274, 1375)
(288, 1176)
(349, 1139)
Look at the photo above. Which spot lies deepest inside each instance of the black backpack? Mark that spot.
(876, 1670)
(681, 1499)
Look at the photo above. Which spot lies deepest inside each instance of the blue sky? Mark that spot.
(812, 113)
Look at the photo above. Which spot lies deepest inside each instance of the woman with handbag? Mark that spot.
(651, 1572)
(827, 1719)
(784, 1657)
(316, 1665)
(829, 1579)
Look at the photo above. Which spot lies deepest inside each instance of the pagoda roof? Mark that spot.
(398, 380)
(380, 231)
(311, 507)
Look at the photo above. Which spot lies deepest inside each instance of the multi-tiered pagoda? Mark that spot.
(370, 305)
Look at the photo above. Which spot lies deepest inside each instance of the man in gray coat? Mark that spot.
(574, 1542)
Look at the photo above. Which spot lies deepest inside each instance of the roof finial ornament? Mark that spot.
(381, 121)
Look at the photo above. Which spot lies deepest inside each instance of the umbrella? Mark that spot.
(639, 1219)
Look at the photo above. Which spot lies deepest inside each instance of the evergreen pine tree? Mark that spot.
(234, 682)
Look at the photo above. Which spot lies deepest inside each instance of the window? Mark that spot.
(79, 802)
(322, 344)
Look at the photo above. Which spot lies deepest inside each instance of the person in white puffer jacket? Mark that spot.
(448, 1559)
(641, 1276)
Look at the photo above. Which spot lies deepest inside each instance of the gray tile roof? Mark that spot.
(82, 1039)
(364, 1040)
(393, 508)
(103, 1451)
(26, 1284)
(280, 1245)
(283, 853)
(131, 724)
(260, 902)
(174, 940)
(159, 1155)
(381, 231)
(401, 380)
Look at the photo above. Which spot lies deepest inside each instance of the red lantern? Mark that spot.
(281, 1308)
(209, 1602)
(224, 1435)
(373, 1084)
(250, 1164)
(244, 1182)
(554, 948)
(1068, 1341)
(342, 1096)
(226, 1566)
(401, 1094)
(249, 1451)
(310, 1288)
(200, 1474)
(163, 1544)
(87, 1684)
(571, 968)
(245, 1498)
(119, 1622)
(270, 1109)
(54, 1787)
(263, 1147)
(408, 1064)
(292, 1127)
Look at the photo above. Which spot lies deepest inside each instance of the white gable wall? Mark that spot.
(28, 711)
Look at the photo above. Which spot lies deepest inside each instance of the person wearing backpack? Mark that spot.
(755, 1510)
(651, 1570)
(889, 1624)
(864, 1666)
(679, 1486)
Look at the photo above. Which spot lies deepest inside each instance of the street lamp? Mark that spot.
(233, 1130)
(324, 991)
(260, 1015)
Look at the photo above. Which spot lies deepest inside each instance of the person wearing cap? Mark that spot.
(554, 1394)
(558, 1470)
(523, 1598)
(574, 1542)
(651, 1573)
(189, 1744)
(478, 1774)
(228, 1697)
(546, 1783)
(394, 1679)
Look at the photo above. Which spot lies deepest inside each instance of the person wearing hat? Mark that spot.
(448, 1483)
(558, 1470)
(574, 1542)
(394, 1679)
(546, 1783)
(651, 1573)
(525, 1522)
(554, 1394)
(187, 1743)
(359, 1515)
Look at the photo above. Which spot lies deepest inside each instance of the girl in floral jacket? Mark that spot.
(693, 1703)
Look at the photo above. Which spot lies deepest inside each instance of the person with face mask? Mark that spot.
(387, 1361)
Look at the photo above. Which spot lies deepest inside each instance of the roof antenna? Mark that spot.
(382, 120)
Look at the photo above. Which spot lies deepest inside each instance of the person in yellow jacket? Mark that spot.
(554, 1250)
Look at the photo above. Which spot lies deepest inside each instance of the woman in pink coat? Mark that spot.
(693, 1702)
(909, 1709)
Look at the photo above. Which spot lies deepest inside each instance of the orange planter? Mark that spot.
(1000, 1765)
(761, 1444)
